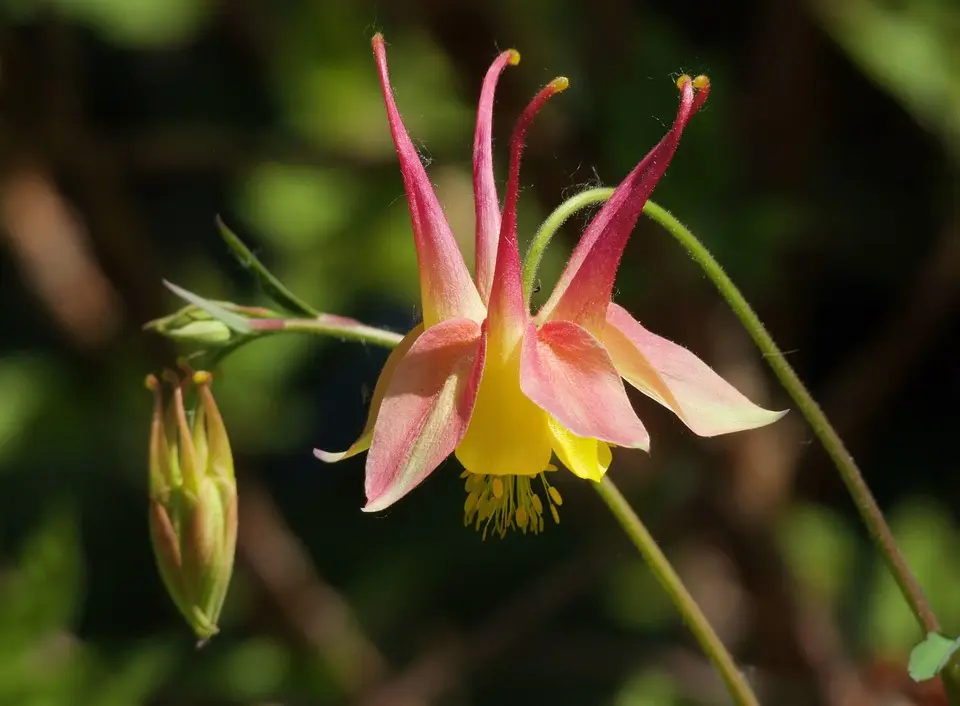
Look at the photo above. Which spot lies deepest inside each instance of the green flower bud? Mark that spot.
(191, 324)
(211, 332)
(193, 502)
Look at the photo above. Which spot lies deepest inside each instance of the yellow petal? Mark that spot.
(508, 434)
(586, 458)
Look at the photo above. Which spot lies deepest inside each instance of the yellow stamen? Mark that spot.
(498, 503)
(555, 496)
(537, 504)
(522, 518)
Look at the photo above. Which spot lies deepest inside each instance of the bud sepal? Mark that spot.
(193, 501)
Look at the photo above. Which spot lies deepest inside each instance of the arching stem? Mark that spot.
(852, 477)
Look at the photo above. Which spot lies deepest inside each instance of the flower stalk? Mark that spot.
(628, 519)
(667, 577)
(870, 512)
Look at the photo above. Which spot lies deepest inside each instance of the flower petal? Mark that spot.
(386, 376)
(678, 379)
(566, 371)
(508, 434)
(587, 458)
(586, 284)
(446, 290)
(425, 411)
(484, 186)
(508, 314)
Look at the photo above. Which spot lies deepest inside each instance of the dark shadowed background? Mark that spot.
(823, 174)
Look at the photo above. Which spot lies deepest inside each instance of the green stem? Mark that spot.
(329, 325)
(849, 472)
(852, 477)
(538, 245)
(665, 574)
(628, 519)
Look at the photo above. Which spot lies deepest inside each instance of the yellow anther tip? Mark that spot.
(151, 382)
(560, 83)
(683, 80)
(514, 57)
(702, 81)
(202, 377)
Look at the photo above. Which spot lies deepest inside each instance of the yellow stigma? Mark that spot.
(498, 503)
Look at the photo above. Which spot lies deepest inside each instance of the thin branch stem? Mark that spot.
(329, 325)
(531, 263)
(862, 497)
(665, 574)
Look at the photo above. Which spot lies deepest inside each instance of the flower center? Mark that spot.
(501, 502)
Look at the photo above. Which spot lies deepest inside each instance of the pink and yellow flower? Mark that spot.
(504, 389)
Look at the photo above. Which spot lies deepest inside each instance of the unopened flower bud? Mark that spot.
(193, 501)
(210, 332)
(191, 324)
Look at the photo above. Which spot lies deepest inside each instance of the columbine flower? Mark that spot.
(193, 502)
(506, 390)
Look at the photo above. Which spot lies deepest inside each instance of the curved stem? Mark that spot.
(866, 504)
(660, 566)
(849, 472)
(561, 213)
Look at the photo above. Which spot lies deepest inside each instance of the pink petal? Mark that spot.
(678, 379)
(586, 284)
(446, 289)
(484, 186)
(425, 411)
(386, 376)
(508, 313)
(567, 372)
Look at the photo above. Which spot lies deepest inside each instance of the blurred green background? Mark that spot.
(823, 174)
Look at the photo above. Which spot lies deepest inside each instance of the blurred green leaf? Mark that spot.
(43, 593)
(336, 101)
(646, 688)
(928, 539)
(633, 598)
(143, 23)
(910, 49)
(23, 383)
(297, 206)
(252, 670)
(928, 658)
(819, 548)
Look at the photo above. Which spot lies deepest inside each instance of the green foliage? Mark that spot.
(296, 149)
(910, 49)
(145, 23)
(930, 656)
